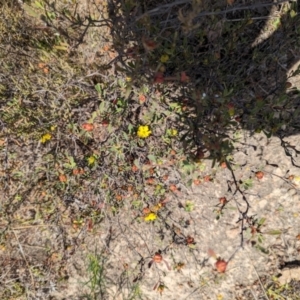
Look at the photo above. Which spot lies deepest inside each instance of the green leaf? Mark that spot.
(261, 221)
(189, 206)
(268, 134)
(276, 23)
(98, 88)
(248, 183)
(190, 182)
(296, 72)
(128, 90)
(169, 51)
(262, 249)
(30, 11)
(293, 13)
(101, 108)
(166, 140)
(38, 4)
(187, 167)
(152, 158)
(213, 163)
(132, 65)
(227, 92)
(273, 232)
(130, 128)
(94, 115)
(137, 163)
(136, 203)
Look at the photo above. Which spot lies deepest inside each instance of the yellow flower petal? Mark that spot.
(164, 58)
(150, 217)
(143, 131)
(173, 132)
(91, 160)
(46, 137)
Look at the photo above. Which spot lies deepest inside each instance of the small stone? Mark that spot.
(263, 203)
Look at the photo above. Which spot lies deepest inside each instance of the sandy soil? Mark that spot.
(266, 252)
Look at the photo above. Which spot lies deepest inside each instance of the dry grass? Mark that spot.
(76, 82)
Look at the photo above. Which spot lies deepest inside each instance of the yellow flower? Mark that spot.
(91, 160)
(164, 58)
(150, 217)
(297, 178)
(143, 131)
(173, 132)
(46, 137)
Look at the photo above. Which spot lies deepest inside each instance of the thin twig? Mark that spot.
(233, 9)
(162, 9)
(260, 281)
(28, 226)
(243, 213)
(253, 294)
(254, 18)
(24, 257)
(233, 254)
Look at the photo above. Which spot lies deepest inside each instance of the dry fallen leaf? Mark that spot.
(211, 253)
(157, 258)
(149, 44)
(159, 78)
(173, 187)
(221, 265)
(223, 165)
(207, 178)
(146, 211)
(78, 171)
(134, 168)
(150, 181)
(142, 98)
(119, 197)
(106, 48)
(196, 181)
(173, 152)
(223, 200)
(62, 178)
(184, 77)
(190, 240)
(259, 175)
(88, 126)
(165, 177)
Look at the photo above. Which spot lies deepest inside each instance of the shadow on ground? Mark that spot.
(228, 65)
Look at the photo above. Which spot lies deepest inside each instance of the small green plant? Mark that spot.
(189, 206)
(275, 290)
(256, 235)
(97, 282)
(247, 183)
(135, 293)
